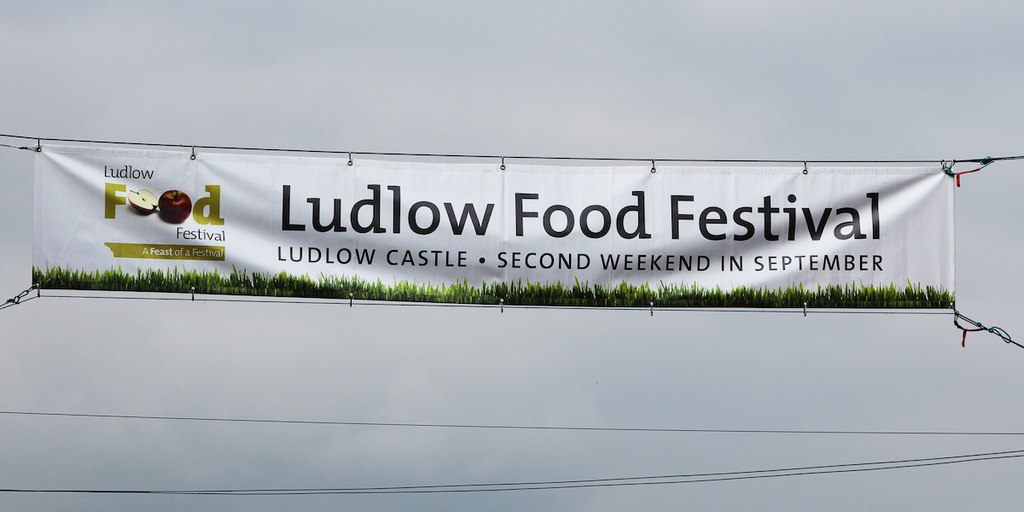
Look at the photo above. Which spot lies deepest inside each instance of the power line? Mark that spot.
(39, 140)
(631, 481)
(516, 427)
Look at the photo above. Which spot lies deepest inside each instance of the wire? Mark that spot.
(383, 303)
(688, 478)
(993, 159)
(21, 297)
(485, 156)
(517, 427)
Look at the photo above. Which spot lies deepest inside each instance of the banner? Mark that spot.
(624, 235)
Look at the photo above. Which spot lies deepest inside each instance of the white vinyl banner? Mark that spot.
(623, 235)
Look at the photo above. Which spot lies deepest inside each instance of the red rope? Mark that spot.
(956, 321)
(957, 175)
(963, 342)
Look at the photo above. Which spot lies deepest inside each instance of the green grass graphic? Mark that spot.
(912, 296)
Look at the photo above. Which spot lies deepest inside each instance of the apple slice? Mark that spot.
(143, 201)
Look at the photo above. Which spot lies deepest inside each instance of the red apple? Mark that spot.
(175, 206)
(143, 201)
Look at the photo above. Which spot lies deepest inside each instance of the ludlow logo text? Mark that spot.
(173, 206)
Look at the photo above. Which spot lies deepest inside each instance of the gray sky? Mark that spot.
(725, 79)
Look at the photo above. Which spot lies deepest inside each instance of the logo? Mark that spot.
(173, 206)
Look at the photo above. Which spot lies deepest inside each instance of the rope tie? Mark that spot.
(948, 169)
(977, 327)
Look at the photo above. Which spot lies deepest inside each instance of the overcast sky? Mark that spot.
(715, 79)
